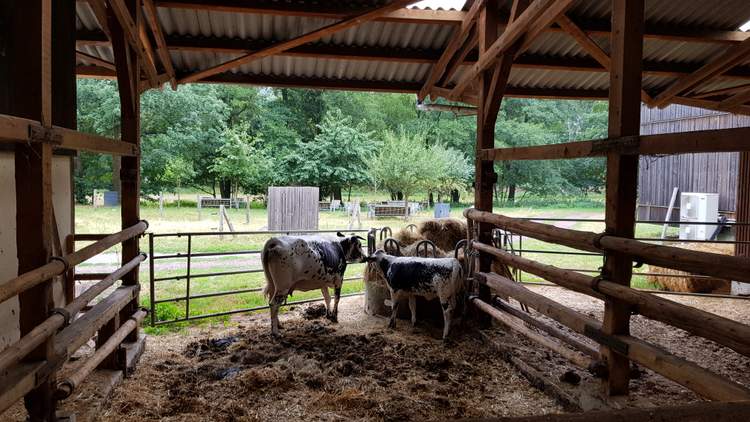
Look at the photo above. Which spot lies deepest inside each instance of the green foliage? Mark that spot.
(228, 140)
(336, 159)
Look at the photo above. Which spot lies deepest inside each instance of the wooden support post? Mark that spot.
(28, 83)
(484, 171)
(622, 173)
(128, 80)
(742, 232)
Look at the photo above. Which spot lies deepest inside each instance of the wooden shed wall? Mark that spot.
(708, 172)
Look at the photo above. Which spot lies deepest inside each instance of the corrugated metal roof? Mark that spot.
(701, 14)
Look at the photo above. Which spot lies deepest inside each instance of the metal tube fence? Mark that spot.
(190, 275)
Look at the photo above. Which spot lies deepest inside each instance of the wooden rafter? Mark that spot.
(95, 60)
(460, 58)
(539, 14)
(730, 58)
(591, 47)
(100, 11)
(161, 44)
(402, 55)
(132, 34)
(332, 10)
(457, 41)
(294, 42)
(736, 100)
(723, 91)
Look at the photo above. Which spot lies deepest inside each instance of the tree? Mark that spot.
(336, 159)
(240, 163)
(402, 164)
(178, 172)
(450, 170)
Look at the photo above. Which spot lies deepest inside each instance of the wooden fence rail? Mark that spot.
(683, 372)
(704, 263)
(56, 267)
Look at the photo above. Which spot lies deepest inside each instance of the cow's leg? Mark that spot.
(275, 304)
(413, 309)
(448, 304)
(336, 298)
(395, 299)
(327, 300)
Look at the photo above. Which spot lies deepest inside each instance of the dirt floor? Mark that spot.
(354, 370)
(360, 370)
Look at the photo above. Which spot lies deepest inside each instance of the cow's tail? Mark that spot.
(269, 290)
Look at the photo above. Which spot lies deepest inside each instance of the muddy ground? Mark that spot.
(354, 370)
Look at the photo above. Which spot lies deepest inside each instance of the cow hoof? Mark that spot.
(392, 325)
(334, 318)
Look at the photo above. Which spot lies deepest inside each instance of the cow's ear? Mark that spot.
(339, 234)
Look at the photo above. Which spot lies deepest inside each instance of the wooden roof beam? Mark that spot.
(591, 47)
(457, 41)
(295, 42)
(727, 60)
(95, 60)
(539, 14)
(161, 44)
(132, 34)
(444, 17)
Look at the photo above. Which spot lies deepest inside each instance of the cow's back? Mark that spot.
(418, 274)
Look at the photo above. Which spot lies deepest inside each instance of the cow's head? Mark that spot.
(352, 247)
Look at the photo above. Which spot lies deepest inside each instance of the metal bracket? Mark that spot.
(44, 135)
(606, 340)
(63, 313)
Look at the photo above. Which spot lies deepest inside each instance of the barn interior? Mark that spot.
(627, 52)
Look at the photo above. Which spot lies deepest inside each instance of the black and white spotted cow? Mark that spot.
(408, 277)
(307, 263)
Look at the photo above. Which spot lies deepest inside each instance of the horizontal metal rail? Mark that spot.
(205, 254)
(261, 232)
(239, 311)
(204, 275)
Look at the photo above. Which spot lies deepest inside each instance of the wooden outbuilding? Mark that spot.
(623, 51)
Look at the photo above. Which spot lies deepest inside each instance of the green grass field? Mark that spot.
(186, 219)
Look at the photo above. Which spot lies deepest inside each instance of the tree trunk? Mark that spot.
(225, 188)
(431, 200)
(400, 196)
(511, 193)
(336, 192)
(455, 196)
(349, 195)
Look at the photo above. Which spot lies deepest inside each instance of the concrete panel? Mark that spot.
(9, 328)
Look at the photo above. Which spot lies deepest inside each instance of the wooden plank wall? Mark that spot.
(293, 208)
(709, 172)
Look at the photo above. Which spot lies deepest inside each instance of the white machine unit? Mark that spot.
(698, 207)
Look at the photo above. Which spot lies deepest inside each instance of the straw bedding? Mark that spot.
(695, 284)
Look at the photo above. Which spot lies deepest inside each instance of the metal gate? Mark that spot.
(191, 253)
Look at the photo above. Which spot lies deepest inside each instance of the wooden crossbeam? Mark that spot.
(717, 140)
(723, 91)
(297, 41)
(456, 42)
(591, 47)
(161, 44)
(711, 105)
(539, 14)
(730, 58)
(132, 35)
(100, 11)
(460, 58)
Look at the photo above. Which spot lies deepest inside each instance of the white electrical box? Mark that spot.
(698, 207)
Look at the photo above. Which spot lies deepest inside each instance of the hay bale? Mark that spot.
(688, 283)
(406, 237)
(445, 233)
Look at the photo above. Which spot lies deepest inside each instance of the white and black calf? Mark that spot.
(307, 263)
(408, 277)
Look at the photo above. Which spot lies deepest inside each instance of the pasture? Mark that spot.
(186, 219)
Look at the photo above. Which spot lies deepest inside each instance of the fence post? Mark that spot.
(221, 220)
(161, 204)
(151, 277)
(247, 210)
(198, 201)
(187, 276)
